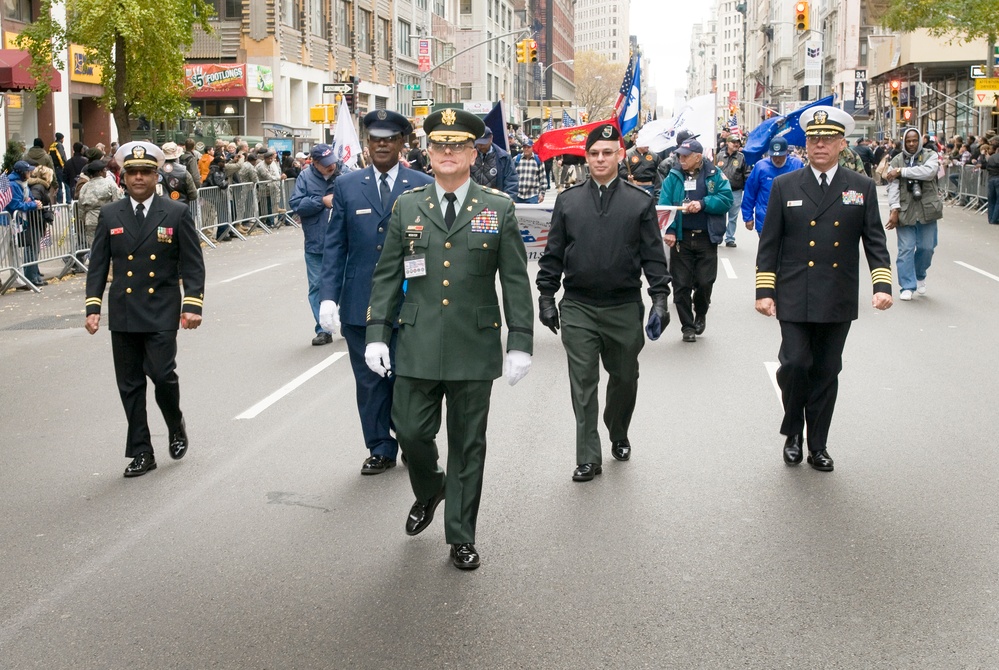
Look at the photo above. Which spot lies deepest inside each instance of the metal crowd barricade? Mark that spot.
(215, 214)
(244, 207)
(51, 234)
(982, 181)
(952, 183)
(10, 260)
(287, 188)
(269, 206)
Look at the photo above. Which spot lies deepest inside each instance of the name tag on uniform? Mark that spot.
(117, 231)
(415, 266)
(362, 211)
(690, 185)
(794, 203)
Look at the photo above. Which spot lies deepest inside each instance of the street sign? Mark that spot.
(978, 72)
(988, 84)
(986, 98)
(423, 102)
(421, 111)
(412, 87)
(343, 88)
(860, 75)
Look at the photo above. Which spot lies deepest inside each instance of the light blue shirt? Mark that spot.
(461, 192)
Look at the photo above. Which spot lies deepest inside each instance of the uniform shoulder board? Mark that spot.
(636, 187)
(497, 192)
(416, 189)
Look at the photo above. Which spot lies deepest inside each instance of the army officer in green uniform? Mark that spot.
(448, 241)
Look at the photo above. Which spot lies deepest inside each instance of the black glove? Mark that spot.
(548, 313)
(658, 317)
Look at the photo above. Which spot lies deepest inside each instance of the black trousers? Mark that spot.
(693, 264)
(141, 355)
(374, 395)
(811, 357)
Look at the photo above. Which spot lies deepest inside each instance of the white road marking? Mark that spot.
(729, 270)
(978, 270)
(290, 386)
(772, 371)
(247, 274)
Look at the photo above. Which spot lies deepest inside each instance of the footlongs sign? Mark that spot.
(230, 80)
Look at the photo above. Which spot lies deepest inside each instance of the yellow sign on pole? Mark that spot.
(987, 84)
(421, 111)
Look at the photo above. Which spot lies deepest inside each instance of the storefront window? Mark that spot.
(17, 10)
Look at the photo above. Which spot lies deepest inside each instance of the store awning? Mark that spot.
(14, 73)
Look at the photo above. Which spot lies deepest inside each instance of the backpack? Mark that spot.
(516, 161)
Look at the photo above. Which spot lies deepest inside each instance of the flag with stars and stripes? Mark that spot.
(549, 125)
(5, 194)
(648, 116)
(567, 120)
(625, 90)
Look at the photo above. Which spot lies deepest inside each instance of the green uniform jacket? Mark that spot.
(449, 322)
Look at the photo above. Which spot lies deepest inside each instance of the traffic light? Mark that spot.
(905, 114)
(584, 116)
(801, 16)
(547, 113)
(522, 51)
(532, 51)
(896, 87)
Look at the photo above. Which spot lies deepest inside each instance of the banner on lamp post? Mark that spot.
(813, 63)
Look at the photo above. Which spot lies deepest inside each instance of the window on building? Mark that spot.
(289, 14)
(466, 90)
(364, 31)
(17, 10)
(465, 7)
(381, 103)
(227, 10)
(489, 9)
(863, 52)
(384, 38)
(421, 4)
(344, 13)
(317, 18)
(489, 46)
(404, 45)
(439, 8)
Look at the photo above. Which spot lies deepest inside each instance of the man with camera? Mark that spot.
(915, 205)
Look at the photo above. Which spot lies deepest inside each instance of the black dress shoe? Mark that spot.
(621, 450)
(586, 472)
(141, 464)
(820, 460)
(374, 465)
(422, 513)
(699, 325)
(321, 339)
(178, 442)
(464, 556)
(792, 449)
(689, 336)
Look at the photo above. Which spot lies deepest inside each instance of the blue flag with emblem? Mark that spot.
(785, 126)
(632, 105)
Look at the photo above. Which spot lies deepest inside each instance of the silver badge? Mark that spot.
(608, 131)
(381, 115)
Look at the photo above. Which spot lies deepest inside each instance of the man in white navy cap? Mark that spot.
(153, 245)
(808, 268)
(362, 204)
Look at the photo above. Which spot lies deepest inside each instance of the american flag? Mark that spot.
(622, 95)
(5, 194)
(550, 126)
(648, 116)
(567, 120)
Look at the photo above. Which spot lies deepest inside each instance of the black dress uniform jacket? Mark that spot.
(148, 263)
(599, 247)
(808, 259)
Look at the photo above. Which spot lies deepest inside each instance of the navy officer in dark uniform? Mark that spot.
(362, 204)
(613, 231)
(808, 268)
(152, 243)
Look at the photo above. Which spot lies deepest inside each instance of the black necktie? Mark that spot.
(449, 214)
(140, 215)
(603, 192)
(822, 182)
(384, 189)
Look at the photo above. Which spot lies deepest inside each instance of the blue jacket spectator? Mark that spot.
(757, 191)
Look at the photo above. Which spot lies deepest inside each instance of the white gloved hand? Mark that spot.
(516, 365)
(376, 355)
(329, 316)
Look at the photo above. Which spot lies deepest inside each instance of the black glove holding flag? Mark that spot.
(658, 316)
(548, 313)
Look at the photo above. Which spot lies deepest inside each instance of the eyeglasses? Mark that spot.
(386, 140)
(606, 153)
(454, 147)
(822, 139)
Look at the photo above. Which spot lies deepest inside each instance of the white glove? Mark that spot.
(516, 365)
(376, 355)
(329, 316)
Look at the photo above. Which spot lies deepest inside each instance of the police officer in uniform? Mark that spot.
(612, 227)
(449, 241)
(641, 168)
(152, 244)
(807, 276)
(362, 203)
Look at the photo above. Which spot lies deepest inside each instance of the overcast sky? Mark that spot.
(663, 29)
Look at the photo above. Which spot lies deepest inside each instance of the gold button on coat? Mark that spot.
(811, 264)
(152, 257)
(445, 302)
(152, 290)
(836, 223)
(835, 265)
(152, 274)
(485, 245)
(130, 257)
(129, 273)
(447, 283)
(813, 223)
(128, 290)
(447, 264)
(812, 243)
(447, 245)
(835, 244)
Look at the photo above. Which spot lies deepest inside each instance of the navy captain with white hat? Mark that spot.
(362, 203)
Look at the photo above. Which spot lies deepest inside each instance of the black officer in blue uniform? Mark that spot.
(362, 203)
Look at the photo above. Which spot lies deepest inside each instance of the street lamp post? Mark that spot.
(544, 79)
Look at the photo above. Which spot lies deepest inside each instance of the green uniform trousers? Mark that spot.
(613, 335)
(416, 413)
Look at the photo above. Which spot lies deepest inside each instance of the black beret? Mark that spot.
(606, 131)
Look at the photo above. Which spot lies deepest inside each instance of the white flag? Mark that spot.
(696, 116)
(346, 145)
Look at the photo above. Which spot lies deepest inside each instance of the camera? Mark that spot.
(915, 188)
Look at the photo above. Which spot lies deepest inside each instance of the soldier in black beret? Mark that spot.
(613, 229)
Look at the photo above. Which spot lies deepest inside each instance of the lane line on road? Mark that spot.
(729, 270)
(290, 386)
(247, 274)
(772, 372)
(978, 270)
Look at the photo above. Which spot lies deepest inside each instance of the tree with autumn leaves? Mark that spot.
(139, 46)
(964, 20)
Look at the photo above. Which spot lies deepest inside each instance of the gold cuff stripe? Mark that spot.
(881, 275)
(766, 274)
(94, 301)
(194, 301)
(761, 284)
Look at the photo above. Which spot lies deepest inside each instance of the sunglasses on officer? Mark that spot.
(441, 147)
